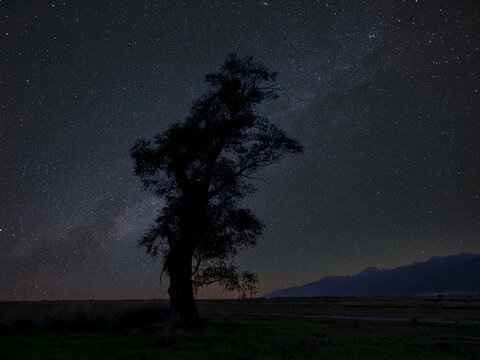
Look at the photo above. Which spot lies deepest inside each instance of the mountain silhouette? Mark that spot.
(449, 275)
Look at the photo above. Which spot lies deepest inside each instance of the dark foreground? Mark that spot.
(242, 330)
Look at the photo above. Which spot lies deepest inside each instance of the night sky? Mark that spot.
(384, 96)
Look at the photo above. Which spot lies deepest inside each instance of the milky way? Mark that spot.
(384, 96)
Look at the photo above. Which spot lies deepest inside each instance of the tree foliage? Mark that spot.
(203, 168)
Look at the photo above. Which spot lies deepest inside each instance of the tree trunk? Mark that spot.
(183, 312)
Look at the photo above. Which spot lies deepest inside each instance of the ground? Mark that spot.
(268, 329)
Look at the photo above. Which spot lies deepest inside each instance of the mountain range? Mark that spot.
(448, 275)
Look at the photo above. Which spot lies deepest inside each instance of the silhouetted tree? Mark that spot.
(202, 168)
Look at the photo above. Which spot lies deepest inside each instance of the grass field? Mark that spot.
(240, 330)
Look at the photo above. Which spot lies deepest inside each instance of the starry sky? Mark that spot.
(384, 96)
